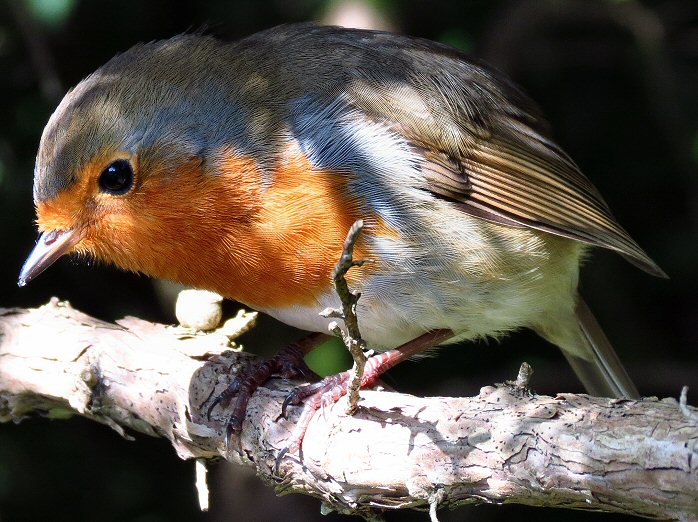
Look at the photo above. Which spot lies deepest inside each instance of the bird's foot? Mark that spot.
(288, 363)
(323, 394)
(329, 390)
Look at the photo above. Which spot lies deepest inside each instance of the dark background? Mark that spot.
(618, 81)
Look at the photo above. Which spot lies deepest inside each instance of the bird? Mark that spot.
(239, 167)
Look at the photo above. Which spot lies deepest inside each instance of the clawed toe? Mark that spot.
(288, 363)
(313, 396)
(225, 396)
(299, 393)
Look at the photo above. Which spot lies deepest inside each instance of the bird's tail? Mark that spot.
(596, 363)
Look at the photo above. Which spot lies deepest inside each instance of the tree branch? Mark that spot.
(397, 451)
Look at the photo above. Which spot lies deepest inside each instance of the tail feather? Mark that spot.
(600, 371)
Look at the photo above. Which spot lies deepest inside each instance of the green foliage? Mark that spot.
(329, 358)
(51, 12)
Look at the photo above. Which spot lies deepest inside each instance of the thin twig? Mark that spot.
(352, 337)
(683, 405)
(523, 379)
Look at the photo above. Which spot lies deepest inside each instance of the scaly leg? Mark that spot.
(288, 363)
(330, 389)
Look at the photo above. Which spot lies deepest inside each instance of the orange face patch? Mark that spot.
(173, 224)
(72, 207)
(267, 246)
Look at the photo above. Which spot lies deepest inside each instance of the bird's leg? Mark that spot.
(330, 389)
(288, 363)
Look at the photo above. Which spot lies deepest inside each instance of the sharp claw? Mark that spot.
(225, 395)
(215, 403)
(279, 458)
(228, 435)
(231, 429)
(290, 399)
(296, 395)
(322, 411)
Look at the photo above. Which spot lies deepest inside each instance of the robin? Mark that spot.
(240, 167)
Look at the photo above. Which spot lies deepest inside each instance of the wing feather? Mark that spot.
(485, 147)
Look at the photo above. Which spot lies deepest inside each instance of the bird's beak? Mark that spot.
(50, 246)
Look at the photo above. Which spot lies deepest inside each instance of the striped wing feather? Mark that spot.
(523, 179)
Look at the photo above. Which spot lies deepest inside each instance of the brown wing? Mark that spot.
(506, 180)
(485, 148)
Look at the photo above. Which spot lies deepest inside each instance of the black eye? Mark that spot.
(117, 178)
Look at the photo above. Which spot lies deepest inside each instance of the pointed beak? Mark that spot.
(49, 247)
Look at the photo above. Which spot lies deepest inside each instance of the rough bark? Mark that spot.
(397, 451)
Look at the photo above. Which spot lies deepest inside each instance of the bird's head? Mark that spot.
(187, 159)
(133, 163)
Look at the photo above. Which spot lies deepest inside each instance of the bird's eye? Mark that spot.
(117, 178)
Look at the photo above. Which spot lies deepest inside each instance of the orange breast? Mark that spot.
(298, 235)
